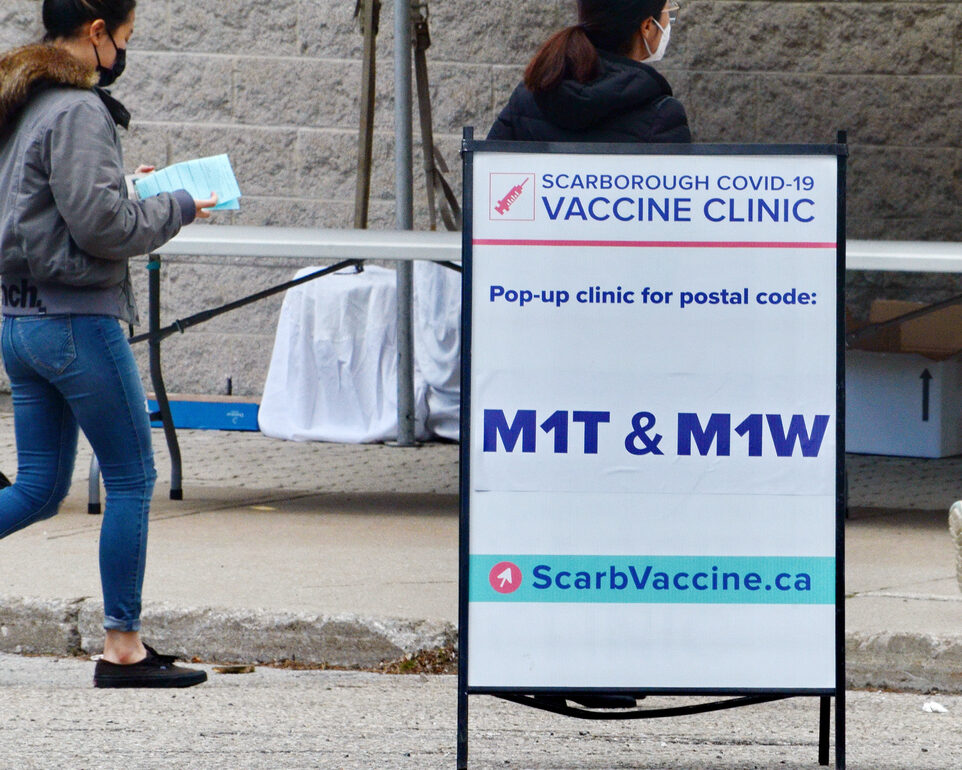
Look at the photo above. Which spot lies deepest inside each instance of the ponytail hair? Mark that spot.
(573, 52)
(63, 18)
(568, 53)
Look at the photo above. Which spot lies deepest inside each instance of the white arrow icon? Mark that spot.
(505, 577)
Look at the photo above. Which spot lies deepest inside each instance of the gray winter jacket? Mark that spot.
(67, 226)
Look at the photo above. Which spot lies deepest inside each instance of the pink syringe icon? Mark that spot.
(513, 194)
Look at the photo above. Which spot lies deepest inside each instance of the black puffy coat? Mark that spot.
(628, 102)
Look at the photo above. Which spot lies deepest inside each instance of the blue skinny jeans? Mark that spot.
(78, 370)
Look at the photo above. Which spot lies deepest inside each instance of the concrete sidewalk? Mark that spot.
(347, 555)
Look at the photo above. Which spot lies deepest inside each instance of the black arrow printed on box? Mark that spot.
(926, 385)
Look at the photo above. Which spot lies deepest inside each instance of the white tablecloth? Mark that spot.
(333, 372)
(437, 345)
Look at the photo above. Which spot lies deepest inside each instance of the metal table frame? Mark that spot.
(308, 245)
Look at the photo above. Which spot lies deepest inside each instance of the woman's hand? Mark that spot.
(202, 206)
(145, 169)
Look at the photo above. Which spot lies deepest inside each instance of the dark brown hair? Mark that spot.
(62, 18)
(573, 51)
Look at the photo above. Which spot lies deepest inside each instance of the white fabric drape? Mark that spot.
(333, 372)
(437, 344)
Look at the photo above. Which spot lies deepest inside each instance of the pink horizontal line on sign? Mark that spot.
(661, 244)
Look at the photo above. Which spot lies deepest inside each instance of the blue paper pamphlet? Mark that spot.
(198, 177)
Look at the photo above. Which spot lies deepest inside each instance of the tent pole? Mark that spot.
(404, 194)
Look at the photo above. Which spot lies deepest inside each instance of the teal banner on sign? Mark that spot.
(652, 579)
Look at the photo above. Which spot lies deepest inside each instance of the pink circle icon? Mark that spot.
(505, 577)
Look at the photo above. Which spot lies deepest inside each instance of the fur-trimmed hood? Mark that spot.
(27, 70)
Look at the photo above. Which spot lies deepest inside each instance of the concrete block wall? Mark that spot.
(275, 83)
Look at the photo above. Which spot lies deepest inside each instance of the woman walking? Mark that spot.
(67, 230)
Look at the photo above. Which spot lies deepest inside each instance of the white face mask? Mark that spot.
(659, 52)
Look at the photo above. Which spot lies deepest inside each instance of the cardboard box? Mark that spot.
(937, 334)
(209, 412)
(904, 393)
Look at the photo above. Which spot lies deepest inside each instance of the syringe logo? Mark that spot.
(504, 205)
(511, 196)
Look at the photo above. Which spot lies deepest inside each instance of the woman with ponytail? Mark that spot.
(67, 230)
(593, 82)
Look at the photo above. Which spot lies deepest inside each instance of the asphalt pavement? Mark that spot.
(273, 719)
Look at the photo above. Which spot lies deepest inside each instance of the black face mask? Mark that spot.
(109, 74)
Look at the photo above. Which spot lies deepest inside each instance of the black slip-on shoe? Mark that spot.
(155, 670)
